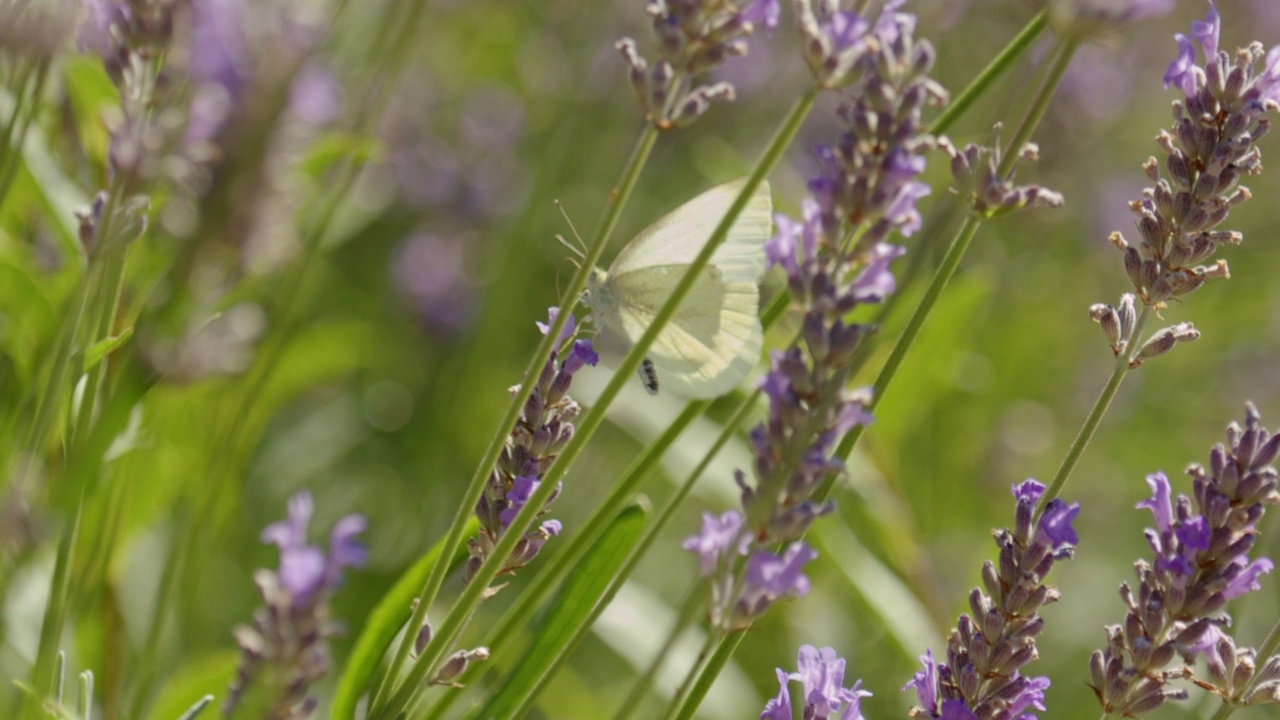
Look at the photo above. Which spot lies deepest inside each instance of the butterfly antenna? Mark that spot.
(581, 249)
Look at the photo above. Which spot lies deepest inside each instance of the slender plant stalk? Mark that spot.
(549, 578)
(992, 72)
(688, 704)
(446, 634)
(1100, 406)
(43, 678)
(956, 252)
(688, 611)
(715, 640)
(436, 648)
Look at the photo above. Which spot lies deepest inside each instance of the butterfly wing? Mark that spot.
(678, 237)
(714, 338)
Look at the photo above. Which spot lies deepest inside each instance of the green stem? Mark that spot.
(688, 611)
(992, 72)
(1031, 120)
(714, 638)
(724, 650)
(453, 539)
(1039, 105)
(549, 578)
(940, 279)
(42, 671)
(1099, 409)
(446, 634)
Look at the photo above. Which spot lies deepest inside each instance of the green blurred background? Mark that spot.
(421, 314)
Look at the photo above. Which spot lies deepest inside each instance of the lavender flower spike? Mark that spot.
(1209, 150)
(1200, 547)
(695, 37)
(544, 428)
(982, 676)
(866, 186)
(286, 649)
(821, 673)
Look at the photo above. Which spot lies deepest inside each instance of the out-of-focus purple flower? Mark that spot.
(720, 537)
(1085, 15)
(431, 270)
(1201, 548)
(763, 13)
(305, 570)
(565, 333)
(315, 97)
(769, 578)
(286, 647)
(218, 51)
(779, 708)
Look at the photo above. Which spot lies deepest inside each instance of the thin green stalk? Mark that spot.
(21, 122)
(655, 528)
(436, 648)
(992, 72)
(1031, 120)
(42, 676)
(446, 634)
(1099, 409)
(549, 577)
(724, 650)
(108, 305)
(48, 403)
(688, 611)
(714, 640)
(1039, 105)
(900, 349)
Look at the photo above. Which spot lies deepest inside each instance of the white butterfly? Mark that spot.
(714, 338)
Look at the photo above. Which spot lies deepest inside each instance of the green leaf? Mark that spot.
(211, 674)
(333, 148)
(384, 623)
(104, 347)
(571, 616)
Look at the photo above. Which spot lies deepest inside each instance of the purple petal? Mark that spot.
(1159, 503)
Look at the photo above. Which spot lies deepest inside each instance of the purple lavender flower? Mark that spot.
(541, 433)
(721, 537)
(695, 37)
(977, 177)
(982, 677)
(1211, 147)
(821, 673)
(866, 186)
(286, 647)
(1200, 548)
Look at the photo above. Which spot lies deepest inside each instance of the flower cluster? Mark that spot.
(866, 184)
(1211, 147)
(821, 673)
(976, 170)
(981, 678)
(1201, 561)
(540, 434)
(694, 37)
(285, 649)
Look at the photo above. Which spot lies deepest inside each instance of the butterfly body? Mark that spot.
(714, 338)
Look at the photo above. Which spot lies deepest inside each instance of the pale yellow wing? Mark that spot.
(711, 343)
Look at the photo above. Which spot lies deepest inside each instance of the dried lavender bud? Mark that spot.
(977, 178)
